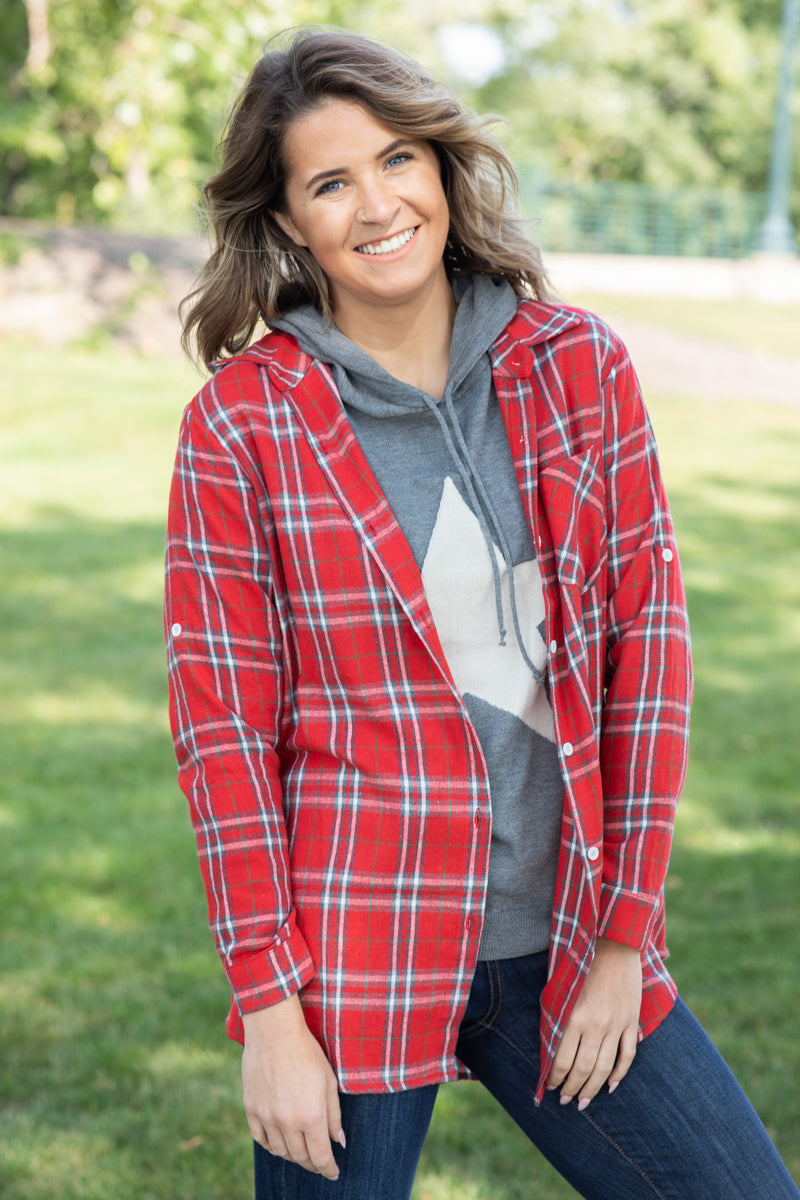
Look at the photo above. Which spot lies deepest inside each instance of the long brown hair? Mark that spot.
(255, 270)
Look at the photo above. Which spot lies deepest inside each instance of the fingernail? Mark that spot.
(341, 1139)
(565, 1099)
(612, 1087)
(583, 1104)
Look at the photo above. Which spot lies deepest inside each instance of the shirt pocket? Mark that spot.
(573, 505)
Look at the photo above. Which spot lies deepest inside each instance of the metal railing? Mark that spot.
(633, 218)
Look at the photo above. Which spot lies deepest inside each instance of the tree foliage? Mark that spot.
(671, 92)
(109, 109)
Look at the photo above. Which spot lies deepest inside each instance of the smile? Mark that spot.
(389, 245)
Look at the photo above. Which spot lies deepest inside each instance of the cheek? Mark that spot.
(443, 210)
(439, 200)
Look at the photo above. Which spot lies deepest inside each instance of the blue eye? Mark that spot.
(327, 188)
(401, 157)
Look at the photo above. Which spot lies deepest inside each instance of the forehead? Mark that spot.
(337, 133)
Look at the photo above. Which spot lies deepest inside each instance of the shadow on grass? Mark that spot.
(742, 571)
(115, 1077)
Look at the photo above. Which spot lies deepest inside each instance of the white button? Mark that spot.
(177, 629)
(667, 554)
(568, 748)
(593, 854)
(553, 646)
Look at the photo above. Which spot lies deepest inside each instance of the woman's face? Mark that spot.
(368, 203)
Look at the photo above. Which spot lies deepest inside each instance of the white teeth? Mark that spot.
(386, 247)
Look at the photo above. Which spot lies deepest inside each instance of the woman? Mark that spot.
(429, 663)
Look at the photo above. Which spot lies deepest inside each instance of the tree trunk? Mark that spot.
(38, 36)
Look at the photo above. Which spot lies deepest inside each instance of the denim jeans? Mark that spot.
(678, 1127)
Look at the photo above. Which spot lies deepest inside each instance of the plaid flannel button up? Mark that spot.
(337, 787)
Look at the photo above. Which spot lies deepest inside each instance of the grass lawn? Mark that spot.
(116, 1079)
(773, 328)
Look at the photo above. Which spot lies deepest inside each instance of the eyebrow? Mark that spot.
(332, 172)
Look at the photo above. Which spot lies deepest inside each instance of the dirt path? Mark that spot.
(98, 287)
(672, 362)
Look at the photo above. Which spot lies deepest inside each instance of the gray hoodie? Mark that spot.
(445, 467)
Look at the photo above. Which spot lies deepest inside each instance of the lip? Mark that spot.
(389, 255)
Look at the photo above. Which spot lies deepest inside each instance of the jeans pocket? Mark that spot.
(484, 1001)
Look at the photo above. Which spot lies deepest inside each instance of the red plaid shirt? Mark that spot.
(338, 791)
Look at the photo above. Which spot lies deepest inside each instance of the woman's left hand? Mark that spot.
(600, 1038)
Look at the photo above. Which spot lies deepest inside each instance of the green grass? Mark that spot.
(772, 328)
(116, 1080)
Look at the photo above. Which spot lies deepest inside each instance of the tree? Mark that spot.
(673, 92)
(118, 121)
(38, 37)
(109, 109)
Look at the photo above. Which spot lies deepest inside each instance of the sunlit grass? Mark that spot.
(771, 327)
(116, 1080)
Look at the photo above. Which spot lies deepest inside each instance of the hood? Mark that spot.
(485, 303)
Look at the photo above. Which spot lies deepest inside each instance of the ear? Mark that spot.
(288, 226)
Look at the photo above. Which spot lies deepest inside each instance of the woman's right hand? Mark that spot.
(290, 1092)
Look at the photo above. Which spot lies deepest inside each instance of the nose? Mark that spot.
(377, 203)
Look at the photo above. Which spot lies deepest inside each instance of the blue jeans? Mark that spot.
(679, 1126)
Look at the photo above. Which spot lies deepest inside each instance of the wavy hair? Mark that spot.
(255, 271)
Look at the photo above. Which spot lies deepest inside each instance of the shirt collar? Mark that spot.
(534, 324)
(512, 356)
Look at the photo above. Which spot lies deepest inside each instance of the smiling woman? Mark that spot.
(429, 664)
(377, 225)
(257, 268)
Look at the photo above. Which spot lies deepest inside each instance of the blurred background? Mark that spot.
(657, 144)
(110, 108)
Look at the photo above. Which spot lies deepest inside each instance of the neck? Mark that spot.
(411, 341)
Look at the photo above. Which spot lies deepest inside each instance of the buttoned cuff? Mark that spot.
(628, 917)
(265, 978)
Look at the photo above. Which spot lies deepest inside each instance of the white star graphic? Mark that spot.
(459, 585)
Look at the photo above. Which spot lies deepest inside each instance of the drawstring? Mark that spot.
(479, 513)
(505, 550)
(472, 480)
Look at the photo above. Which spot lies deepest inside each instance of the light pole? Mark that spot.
(777, 235)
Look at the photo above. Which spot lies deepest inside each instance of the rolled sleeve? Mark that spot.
(274, 973)
(627, 917)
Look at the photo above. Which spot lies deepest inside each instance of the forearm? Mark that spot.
(269, 1025)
